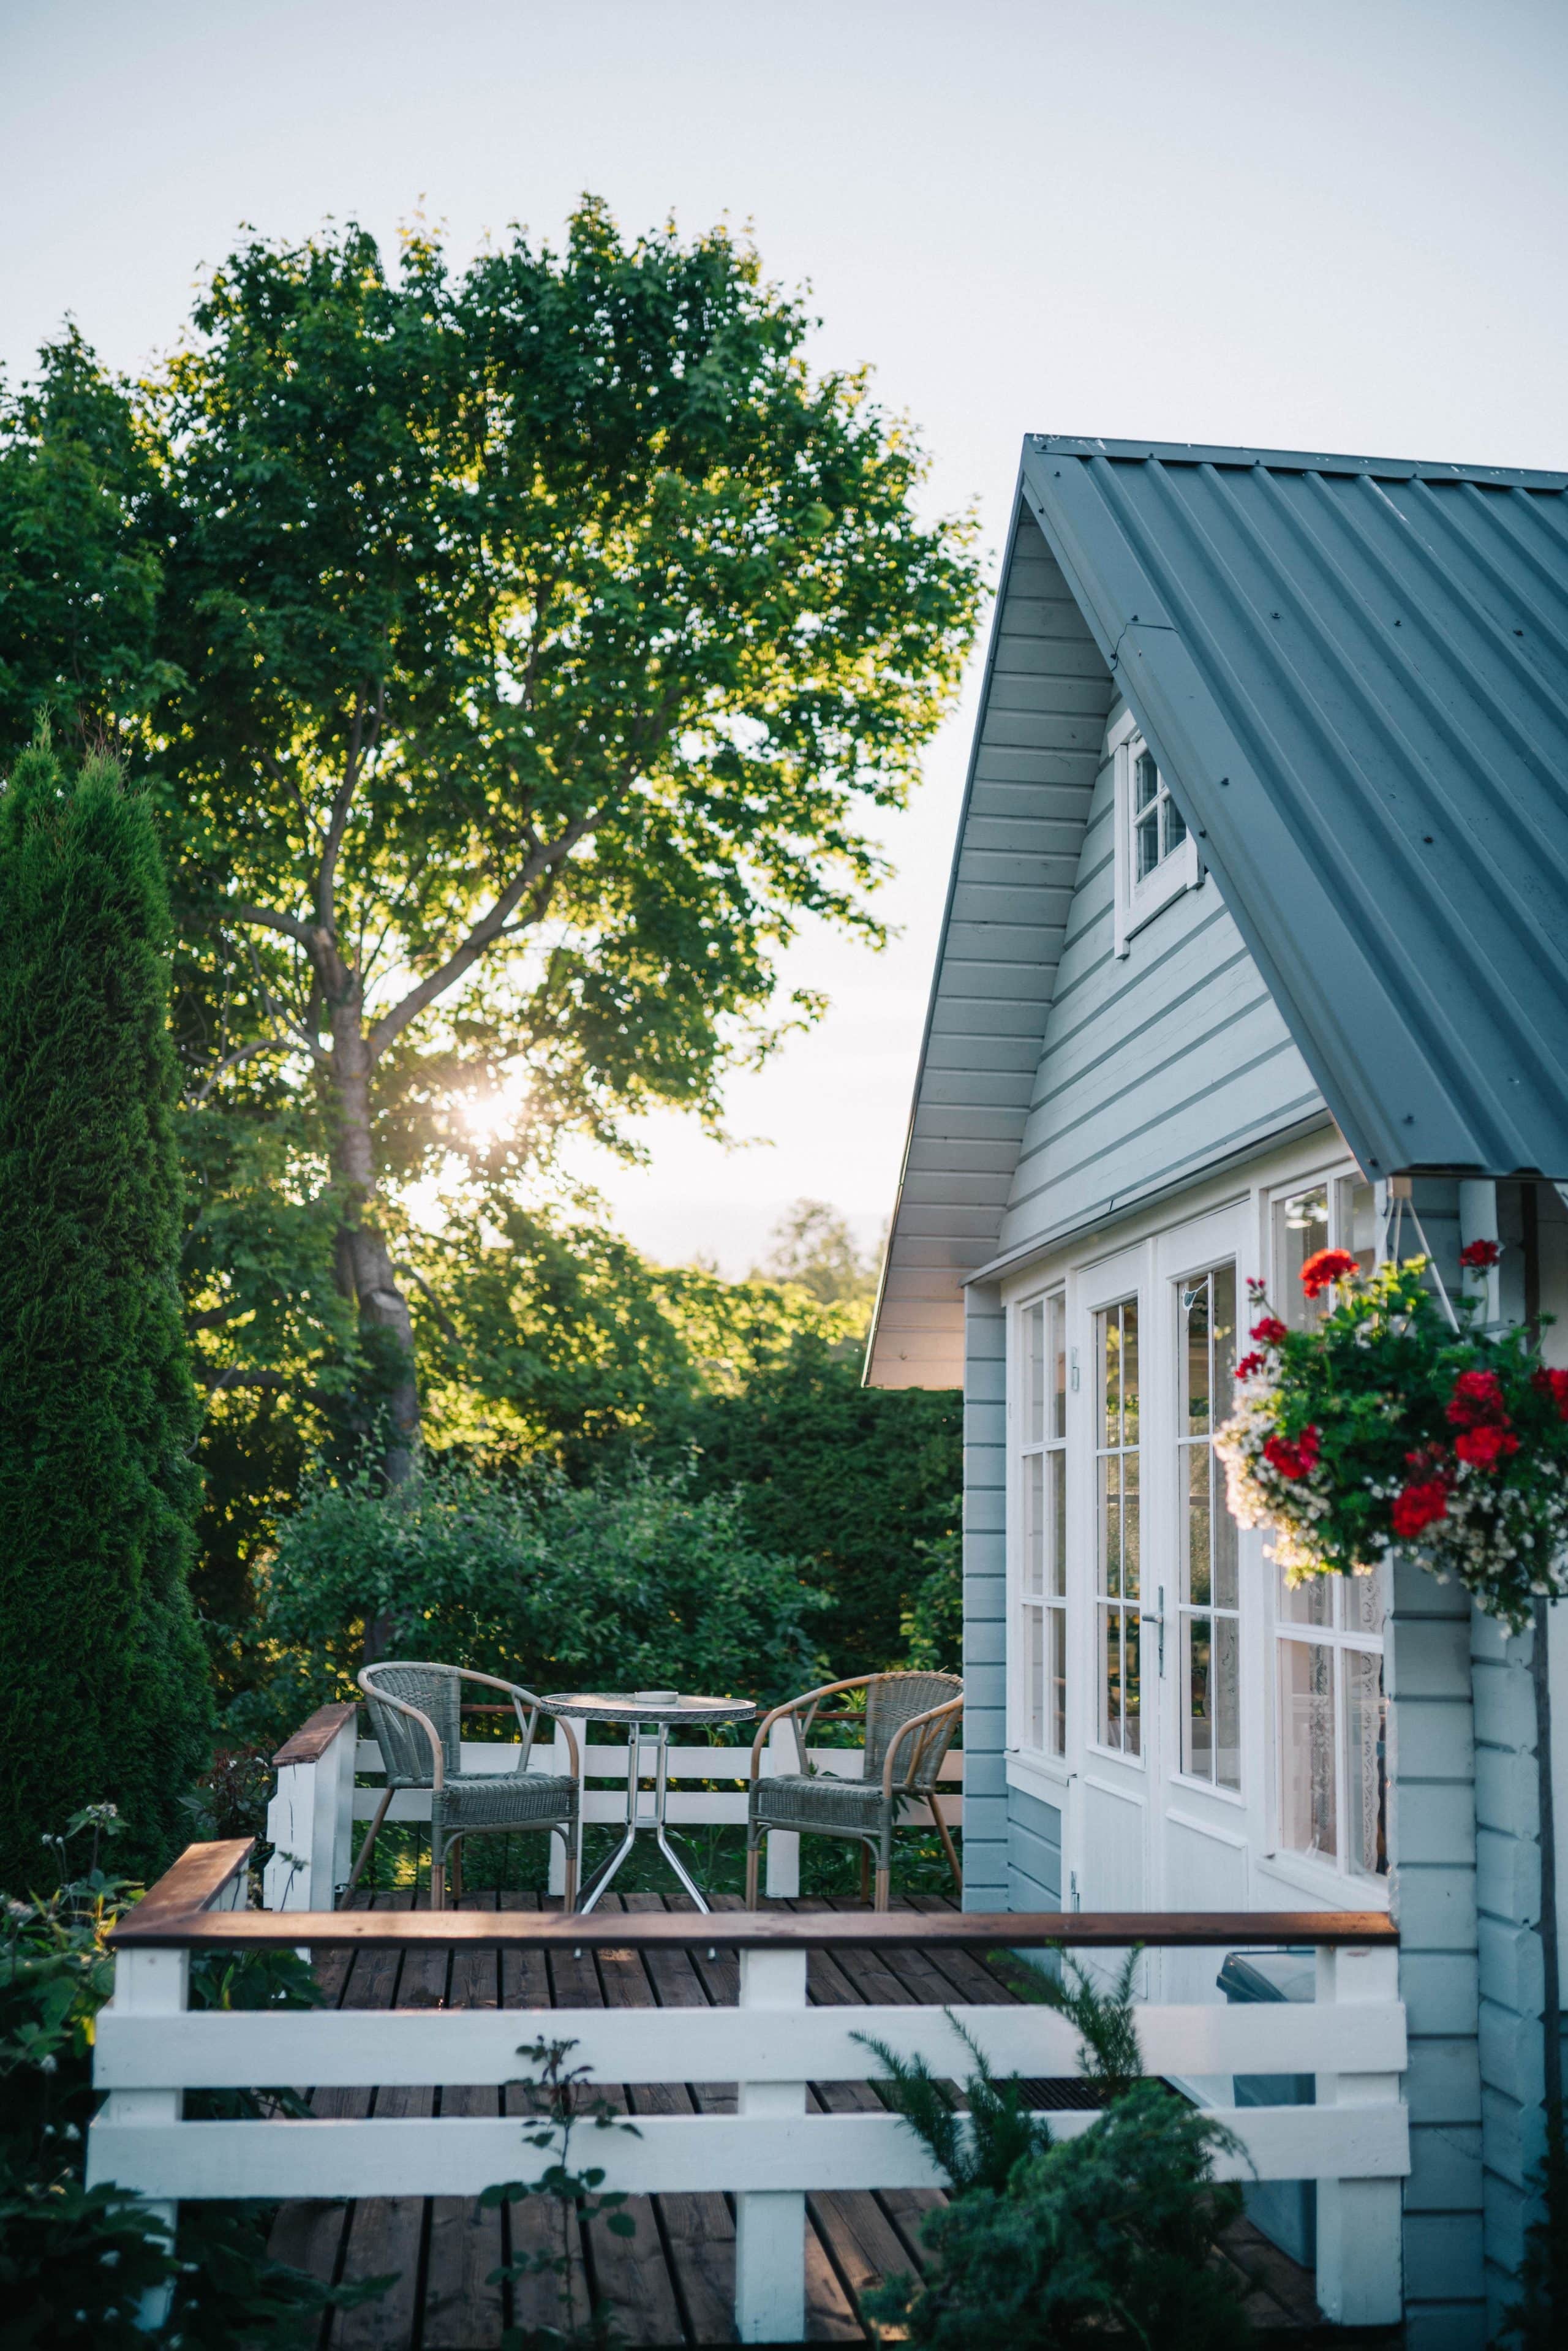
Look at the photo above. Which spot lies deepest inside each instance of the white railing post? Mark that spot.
(147, 1983)
(770, 2226)
(783, 1879)
(1360, 2269)
(310, 1820)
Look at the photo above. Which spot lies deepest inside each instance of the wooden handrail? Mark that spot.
(316, 1733)
(170, 1917)
(195, 1881)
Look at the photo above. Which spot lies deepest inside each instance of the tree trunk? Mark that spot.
(364, 1265)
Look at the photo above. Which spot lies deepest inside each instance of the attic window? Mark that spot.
(1156, 857)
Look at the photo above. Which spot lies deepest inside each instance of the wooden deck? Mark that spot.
(673, 2281)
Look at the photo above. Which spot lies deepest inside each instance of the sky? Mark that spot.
(1323, 226)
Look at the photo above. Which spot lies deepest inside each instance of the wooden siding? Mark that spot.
(1154, 1064)
(1032, 771)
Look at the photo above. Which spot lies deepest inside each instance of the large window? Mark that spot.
(1210, 1625)
(1333, 1722)
(1116, 1481)
(1043, 1467)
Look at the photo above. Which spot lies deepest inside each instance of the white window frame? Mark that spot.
(1038, 1431)
(1137, 902)
(1340, 1636)
(1189, 1615)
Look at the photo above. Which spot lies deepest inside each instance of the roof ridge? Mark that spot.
(1297, 461)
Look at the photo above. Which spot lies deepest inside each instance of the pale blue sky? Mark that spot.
(1323, 225)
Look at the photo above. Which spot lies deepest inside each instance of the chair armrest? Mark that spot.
(916, 1721)
(793, 1706)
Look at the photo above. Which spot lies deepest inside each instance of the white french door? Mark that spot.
(1165, 1642)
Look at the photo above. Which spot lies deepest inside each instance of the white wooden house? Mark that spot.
(1258, 908)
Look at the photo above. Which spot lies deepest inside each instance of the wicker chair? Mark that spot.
(416, 1713)
(910, 1719)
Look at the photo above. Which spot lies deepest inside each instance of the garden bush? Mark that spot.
(635, 1581)
(1060, 2245)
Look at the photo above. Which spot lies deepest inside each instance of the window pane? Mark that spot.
(1034, 1352)
(1034, 1635)
(1307, 1756)
(1056, 1623)
(1110, 1623)
(1307, 1604)
(1223, 1529)
(1301, 1230)
(1226, 1682)
(1223, 1315)
(1197, 1743)
(1195, 1398)
(1034, 1523)
(1145, 780)
(1148, 840)
(1129, 1526)
(1109, 1324)
(1366, 1849)
(1358, 1221)
(1111, 1526)
(1197, 1538)
(1175, 826)
(1130, 1371)
(1131, 1632)
(1361, 1602)
(1056, 1309)
(1056, 1478)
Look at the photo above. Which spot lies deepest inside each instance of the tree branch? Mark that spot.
(267, 918)
(411, 1273)
(337, 822)
(484, 934)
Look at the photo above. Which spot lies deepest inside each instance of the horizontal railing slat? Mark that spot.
(608, 1761)
(693, 1808)
(355, 2049)
(695, 2154)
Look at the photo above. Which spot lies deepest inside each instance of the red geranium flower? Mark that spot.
(1477, 1397)
(1480, 1256)
(1555, 1385)
(1269, 1330)
(1248, 1365)
(1328, 1265)
(1417, 1506)
(1293, 1460)
(1485, 1447)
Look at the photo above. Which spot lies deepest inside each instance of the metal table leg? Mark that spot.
(636, 1737)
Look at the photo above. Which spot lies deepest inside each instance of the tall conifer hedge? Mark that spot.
(102, 1681)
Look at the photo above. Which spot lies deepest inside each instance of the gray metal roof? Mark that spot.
(1354, 673)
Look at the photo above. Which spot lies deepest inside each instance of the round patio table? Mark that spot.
(649, 1716)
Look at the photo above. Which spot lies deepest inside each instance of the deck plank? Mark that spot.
(538, 2225)
(698, 2230)
(386, 2233)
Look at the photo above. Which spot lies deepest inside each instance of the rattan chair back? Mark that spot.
(436, 1691)
(893, 1700)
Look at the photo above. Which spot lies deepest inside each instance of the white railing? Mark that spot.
(771, 2152)
(309, 1822)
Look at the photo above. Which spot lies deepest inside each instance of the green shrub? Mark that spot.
(103, 1689)
(633, 1581)
(1056, 2245)
(75, 2263)
(855, 1480)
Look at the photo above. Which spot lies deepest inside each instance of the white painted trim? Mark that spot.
(1045, 1776)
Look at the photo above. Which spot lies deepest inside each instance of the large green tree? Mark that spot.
(547, 629)
(102, 1683)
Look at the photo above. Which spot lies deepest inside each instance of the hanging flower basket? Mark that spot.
(1387, 1425)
